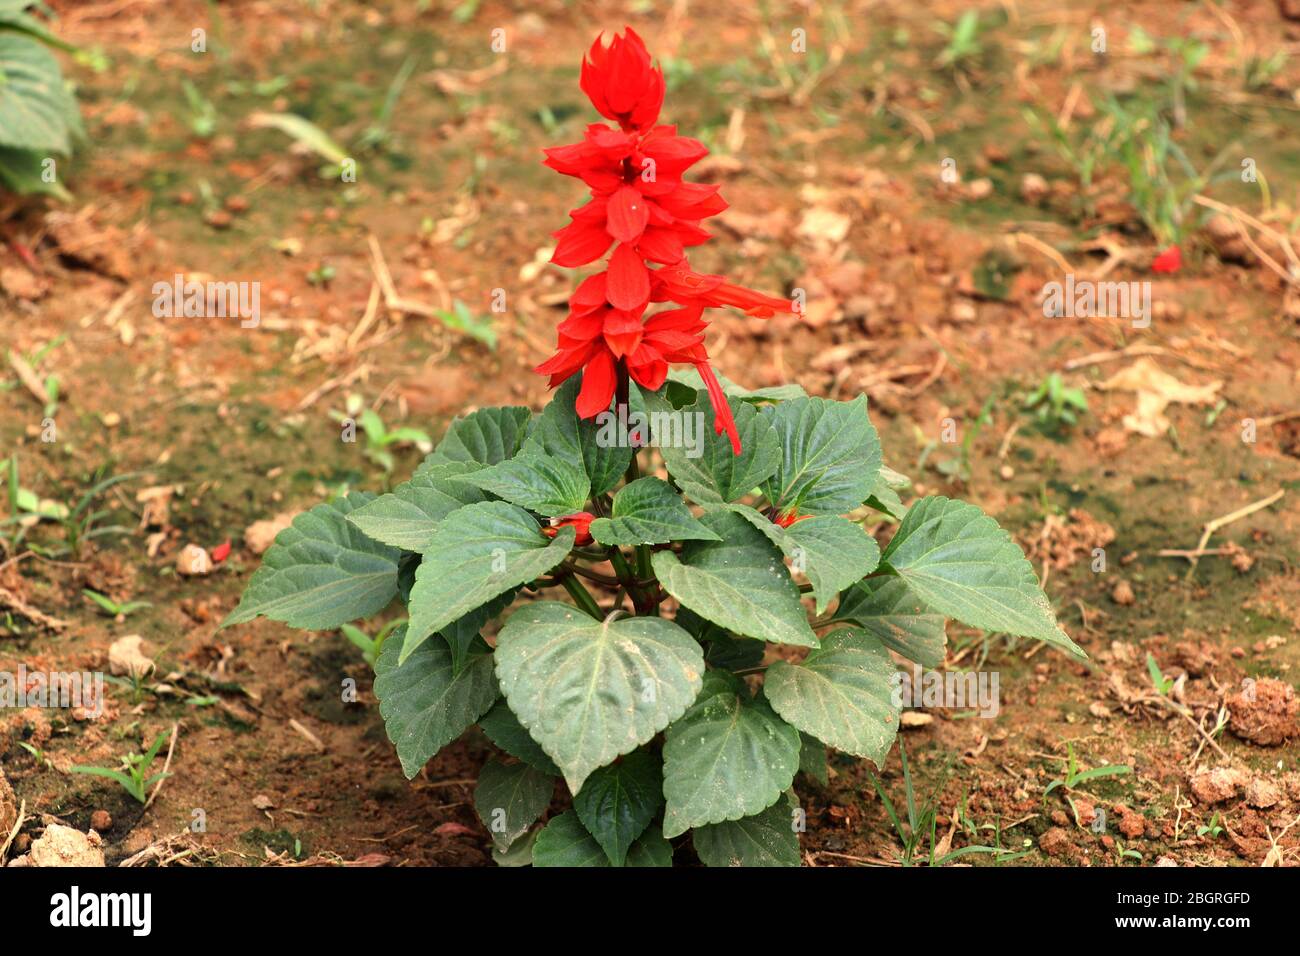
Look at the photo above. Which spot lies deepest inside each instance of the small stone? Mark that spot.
(1033, 188)
(1264, 712)
(1099, 710)
(1262, 794)
(1055, 842)
(259, 535)
(101, 821)
(126, 657)
(913, 718)
(1131, 824)
(263, 802)
(1122, 593)
(1217, 785)
(1007, 472)
(64, 846)
(193, 560)
(980, 188)
(1165, 861)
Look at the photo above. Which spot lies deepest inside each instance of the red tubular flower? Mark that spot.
(787, 518)
(642, 208)
(580, 523)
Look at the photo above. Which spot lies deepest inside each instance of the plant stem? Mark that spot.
(582, 596)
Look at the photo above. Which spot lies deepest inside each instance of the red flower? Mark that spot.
(642, 208)
(1171, 260)
(788, 518)
(580, 522)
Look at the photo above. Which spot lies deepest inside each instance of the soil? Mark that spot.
(835, 187)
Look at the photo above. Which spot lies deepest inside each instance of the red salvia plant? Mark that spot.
(643, 207)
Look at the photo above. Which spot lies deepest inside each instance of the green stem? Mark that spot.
(582, 596)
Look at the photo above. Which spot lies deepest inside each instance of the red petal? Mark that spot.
(221, 551)
(597, 385)
(622, 331)
(722, 420)
(663, 245)
(579, 243)
(628, 282)
(1171, 260)
(627, 214)
(589, 296)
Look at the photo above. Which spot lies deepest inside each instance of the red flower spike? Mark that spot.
(643, 208)
(1171, 260)
(580, 522)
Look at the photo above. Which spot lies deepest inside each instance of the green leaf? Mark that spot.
(566, 436)
(728, 757)
(520, 853)
(884, 496)
(739, 583)
(887, 608)
(510, 798)
(842, 694)
(650, 849)
(688, 378)
(321, 572)
(958, 561)
(535, 480)
(461, 634)
(33, 101)
(765, 839)
(478, 552)
(589, 691)
(504, 729)
(813, 760)
(832, 552)
(565, 842)
(618, 802)
(21, 171)
(648, 511)
(716, 474)
(830, 456)
(424, 706)
(407, 517)
(487, 436)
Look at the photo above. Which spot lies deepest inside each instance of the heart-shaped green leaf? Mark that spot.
(478, 552)
(765, 839)
(705, 467)
(832, 552)
(648, 511)
(739, 583)
(728, 757)
(407, 517)
(618, 802)
(886, 608)
(566, 842)
(321, 572)
(504, 729)
(486, 436)
(509, 798)
(586, 442)
(589, 691)
(830, 456)
(424, 705)
(958, 561)
(535, 480)
(842, 694)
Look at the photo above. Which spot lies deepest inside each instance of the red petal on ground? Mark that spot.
(221, 551)
(1171, 260)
